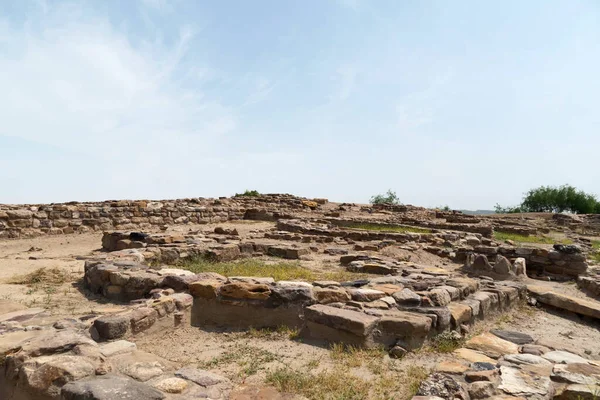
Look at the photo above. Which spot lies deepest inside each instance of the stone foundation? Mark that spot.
(74, 217)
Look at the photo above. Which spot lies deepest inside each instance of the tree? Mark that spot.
(555, 199)
(248, 193)
(389, 197)
(507, 210)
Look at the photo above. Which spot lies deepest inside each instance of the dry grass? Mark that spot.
(340, 382)
(335, 384)
(278, 270)
(414, 376)
(249, 359)
(282, 332)
(389, 228)
(354, 357)
(43, 277)
(445, 342)
(595, 255)
(502, 236)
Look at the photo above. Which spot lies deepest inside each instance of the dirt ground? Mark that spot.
(260, 357)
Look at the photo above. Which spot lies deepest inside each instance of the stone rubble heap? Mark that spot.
(511, 365)
(44, 358)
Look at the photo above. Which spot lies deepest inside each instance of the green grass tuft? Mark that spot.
(248, 193)
(502, 236)
(335, 384)
(445, 342)
(278, 270)
(389, 228)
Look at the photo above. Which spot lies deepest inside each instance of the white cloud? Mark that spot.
(262, 89)
(161, 5)
(346, 75)
(82, 87)
(84, 83)
(354, 5)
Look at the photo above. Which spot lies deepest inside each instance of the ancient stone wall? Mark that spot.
(55, 219)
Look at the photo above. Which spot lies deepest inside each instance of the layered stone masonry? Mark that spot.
(508, 364)
(565, 260)
(169, 248)
(390, 311)
(39, 219)
(78, 359)
(368, 313)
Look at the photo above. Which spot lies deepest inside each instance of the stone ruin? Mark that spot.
(399, 306)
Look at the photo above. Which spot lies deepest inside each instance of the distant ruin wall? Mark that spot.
(55, 219)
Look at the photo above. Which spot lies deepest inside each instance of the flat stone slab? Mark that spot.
(175, 271)
(52, 342)
(7, 306)
(564, 357)
(492, 345)
(578, 373)
(21, 315)
(512, 336)
(526, 359)
(518, 382)
(589, 308)
(12, 341)
(117, 347)
(201, 377)
(109, 387)
(579, 392)
(473, 356)
(354, 322)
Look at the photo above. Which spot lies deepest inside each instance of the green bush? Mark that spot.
(555, 199)
(248, 193)
(389, 197)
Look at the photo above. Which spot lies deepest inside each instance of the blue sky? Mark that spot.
(461, 103)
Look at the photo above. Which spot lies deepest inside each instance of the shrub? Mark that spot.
(248, 193)
(507, 210)
(555, 199)
(389, 197)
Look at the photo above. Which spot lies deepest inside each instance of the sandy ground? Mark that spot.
(249, 358)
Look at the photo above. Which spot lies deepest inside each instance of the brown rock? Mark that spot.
(452, 367)
(492, 345)
(461, 313)
(488, 375)
(388, 288)
(473, 356)
(331, 295)
(205, 289)
(241, 290)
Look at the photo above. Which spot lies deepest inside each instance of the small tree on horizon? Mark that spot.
(555, 199)
(389, 197)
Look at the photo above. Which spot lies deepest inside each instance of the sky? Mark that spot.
(461, 103)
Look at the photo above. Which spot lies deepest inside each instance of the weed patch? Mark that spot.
(280, 333)
(45, 277)
(389, 228)
(502, 236)
(414, 376)
(281, 270)
(336, 384)
(250, 359)
(278, 270)
(445, 342)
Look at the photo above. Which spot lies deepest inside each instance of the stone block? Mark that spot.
(143, 318)
(243, 290)
(355, 322)
(111, 327)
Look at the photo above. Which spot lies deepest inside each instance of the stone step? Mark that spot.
(587, 307)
